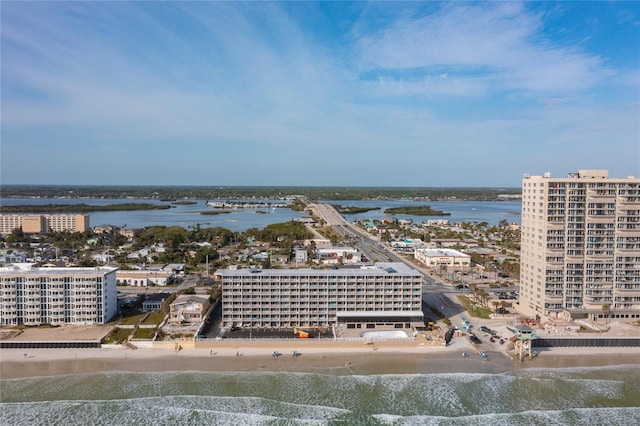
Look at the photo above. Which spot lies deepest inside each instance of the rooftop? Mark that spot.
(31, 269)
(386, 268)
(442, 252)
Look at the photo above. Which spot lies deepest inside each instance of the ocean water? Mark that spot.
(581, 396)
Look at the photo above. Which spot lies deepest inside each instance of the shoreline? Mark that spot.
(357, 360)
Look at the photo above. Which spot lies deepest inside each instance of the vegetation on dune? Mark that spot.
(144, 333)
(118, 336)
(441, 316)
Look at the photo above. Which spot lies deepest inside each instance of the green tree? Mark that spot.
(16, 235)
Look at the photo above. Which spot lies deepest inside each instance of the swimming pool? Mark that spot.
(384, 334)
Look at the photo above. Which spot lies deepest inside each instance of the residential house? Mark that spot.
(189, 308)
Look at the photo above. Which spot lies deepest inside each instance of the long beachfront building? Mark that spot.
(42, 223)
(34, 296)
(387, 293)
(580, 253)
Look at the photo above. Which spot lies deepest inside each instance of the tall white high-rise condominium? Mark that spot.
(580, 256)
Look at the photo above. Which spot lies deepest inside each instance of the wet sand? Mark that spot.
(350, 359)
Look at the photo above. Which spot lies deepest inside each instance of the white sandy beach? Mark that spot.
(338, 359)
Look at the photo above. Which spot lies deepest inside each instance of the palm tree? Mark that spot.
(443, 269)
(606, 309)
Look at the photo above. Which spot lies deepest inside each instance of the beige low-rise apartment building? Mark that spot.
(34, 296)
(580, 250)
(143, 278)
(437, 258)
(42, 223)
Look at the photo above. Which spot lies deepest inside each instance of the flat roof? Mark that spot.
(31, 269)
(385, 268)
(184, 298)
(442, 252)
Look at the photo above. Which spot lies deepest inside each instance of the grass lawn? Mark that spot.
(132, 320)
(144, 333)
(154, 318)
(118, 336)
(477, 312)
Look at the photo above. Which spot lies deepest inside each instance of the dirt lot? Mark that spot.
(62, 333)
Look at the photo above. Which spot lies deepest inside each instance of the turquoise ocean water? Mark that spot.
(581, 396)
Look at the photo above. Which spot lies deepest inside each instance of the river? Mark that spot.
(239, 220)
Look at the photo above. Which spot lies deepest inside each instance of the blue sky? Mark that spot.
(317, 93)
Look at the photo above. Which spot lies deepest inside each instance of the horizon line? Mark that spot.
(347, 187)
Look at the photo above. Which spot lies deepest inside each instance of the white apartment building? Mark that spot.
(434, 258)
(33, 296)
(335, 255)
(143, 278)
(580, 253)
(41, 223)
(387, 293)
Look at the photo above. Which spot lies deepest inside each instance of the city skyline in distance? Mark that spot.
(418, 94)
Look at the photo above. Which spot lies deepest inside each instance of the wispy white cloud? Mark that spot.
(499, 42)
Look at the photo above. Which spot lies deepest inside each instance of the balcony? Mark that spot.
(628, 229)
(603, 195)
(629, 199)
(628, 292)
(554, 295)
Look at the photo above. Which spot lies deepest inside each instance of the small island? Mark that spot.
(184, 203)
(352, 209)
(416, 210)
(214, 212)
(82, 208)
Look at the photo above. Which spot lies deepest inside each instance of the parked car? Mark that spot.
(488, 330)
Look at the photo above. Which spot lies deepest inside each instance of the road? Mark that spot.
(370, 247)
(435, 291)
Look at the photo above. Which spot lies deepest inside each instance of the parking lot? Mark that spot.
(507, 295)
